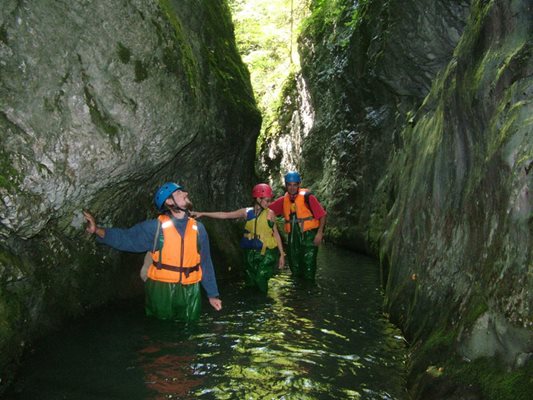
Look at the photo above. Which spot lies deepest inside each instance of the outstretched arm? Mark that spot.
(137, 239)
(241, 213)
(91, 225)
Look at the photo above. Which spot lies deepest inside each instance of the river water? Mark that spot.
(327, 340)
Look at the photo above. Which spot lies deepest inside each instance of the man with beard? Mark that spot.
(181, 258)
(305, 219)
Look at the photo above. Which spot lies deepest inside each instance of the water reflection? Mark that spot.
(167, 369)
(302, 341)
(309, 341)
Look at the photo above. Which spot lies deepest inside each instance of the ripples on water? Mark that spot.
(327, 340)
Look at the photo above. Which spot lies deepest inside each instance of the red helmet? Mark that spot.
(261, 190)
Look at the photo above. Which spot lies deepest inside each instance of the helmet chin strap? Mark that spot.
(175, 207)
(258, 202)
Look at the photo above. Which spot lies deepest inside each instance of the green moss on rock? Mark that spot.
(9, 176)
(494, 380)
(14, 290)
(99, 118)
(188, 61)
(124, 54)
(141, 71)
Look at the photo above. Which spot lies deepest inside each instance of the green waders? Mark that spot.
(301, 252)
(173, 301)
(260, 268)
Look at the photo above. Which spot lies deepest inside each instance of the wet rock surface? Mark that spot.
(99, 105)
(420, 148)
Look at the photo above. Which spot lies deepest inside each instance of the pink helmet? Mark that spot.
(261, 190)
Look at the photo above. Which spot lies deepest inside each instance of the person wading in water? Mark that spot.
(261, 242)
(180, 256)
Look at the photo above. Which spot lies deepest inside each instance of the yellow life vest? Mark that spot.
(258, 228)
(300, 210)
(178, 261)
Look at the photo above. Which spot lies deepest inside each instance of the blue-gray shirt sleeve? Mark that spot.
(137, 239)
(209, 281)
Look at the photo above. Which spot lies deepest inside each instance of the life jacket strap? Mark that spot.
(300, 220)
(184, 270)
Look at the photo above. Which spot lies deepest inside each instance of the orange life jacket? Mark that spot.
(301, 212)
(178, 261)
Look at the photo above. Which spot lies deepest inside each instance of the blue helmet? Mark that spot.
(292, 176)
(164, 193)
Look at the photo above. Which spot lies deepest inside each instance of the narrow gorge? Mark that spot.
(410, 120)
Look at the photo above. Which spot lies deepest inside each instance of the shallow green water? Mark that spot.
(322, 341)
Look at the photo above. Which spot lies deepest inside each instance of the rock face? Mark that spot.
(411, 121)
(421, 148)
(100, 104)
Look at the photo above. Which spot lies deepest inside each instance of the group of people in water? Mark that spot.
(178, 253)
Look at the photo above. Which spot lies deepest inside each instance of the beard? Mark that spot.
(187, 206)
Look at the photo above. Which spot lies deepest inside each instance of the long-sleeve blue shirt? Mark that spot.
(140, 238)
